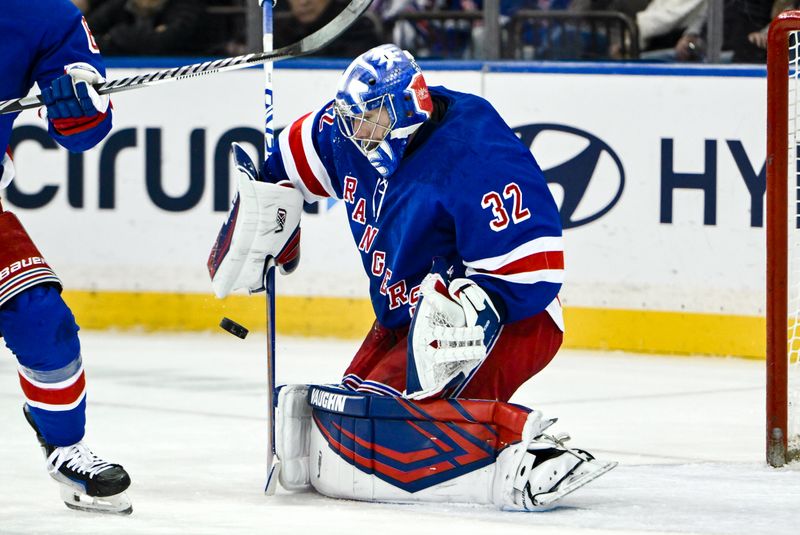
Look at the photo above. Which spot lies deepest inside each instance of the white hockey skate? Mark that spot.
(535, 473)
(549, 471)
(86, 482)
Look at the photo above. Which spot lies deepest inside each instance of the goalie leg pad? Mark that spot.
(388, 449)
(21, 264)
(292, 426)
(383, 449)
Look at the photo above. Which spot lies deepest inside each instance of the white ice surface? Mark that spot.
(185, 414)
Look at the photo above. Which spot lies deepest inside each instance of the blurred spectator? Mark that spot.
(627, 7)
(742, 18)
(759, 38)
(671, 26)
(436, 37)
(744, 31)
(83, 5)
(528, 37)
(535, 32)
(307, 16)
(155, 27)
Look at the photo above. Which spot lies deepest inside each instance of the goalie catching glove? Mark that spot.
(453, 328)
(263, 224)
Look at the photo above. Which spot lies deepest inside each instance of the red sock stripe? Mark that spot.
(53, 396)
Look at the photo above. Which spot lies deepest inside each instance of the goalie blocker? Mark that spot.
(389, 449)
(263, 223)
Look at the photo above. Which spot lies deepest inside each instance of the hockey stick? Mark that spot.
(307, 45)
(273, 464)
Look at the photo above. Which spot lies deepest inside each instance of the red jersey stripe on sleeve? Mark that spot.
(535, 262)
(301, 163)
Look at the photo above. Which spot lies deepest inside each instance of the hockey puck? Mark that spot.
(233, 328)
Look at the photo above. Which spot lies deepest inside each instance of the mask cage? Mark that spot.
(355, 126)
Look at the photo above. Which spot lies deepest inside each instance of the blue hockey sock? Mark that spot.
(40, 330)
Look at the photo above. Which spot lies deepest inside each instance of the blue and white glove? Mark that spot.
(73, 105)
(454, 326)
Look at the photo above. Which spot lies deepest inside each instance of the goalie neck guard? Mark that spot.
(382, 99)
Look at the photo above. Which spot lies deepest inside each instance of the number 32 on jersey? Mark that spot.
(496, 202)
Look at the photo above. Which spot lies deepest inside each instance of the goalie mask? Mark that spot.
(381, 100)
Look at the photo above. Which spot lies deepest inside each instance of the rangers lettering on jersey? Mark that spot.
(467, 190)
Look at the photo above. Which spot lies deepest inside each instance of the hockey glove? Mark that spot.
(452, 330)
(73, 105)
(263, 224)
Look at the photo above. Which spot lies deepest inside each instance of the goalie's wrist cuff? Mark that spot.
(499, 304)
(496, 301)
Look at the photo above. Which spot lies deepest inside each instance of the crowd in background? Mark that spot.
(662, 30)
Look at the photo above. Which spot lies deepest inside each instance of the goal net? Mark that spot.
(783, 240)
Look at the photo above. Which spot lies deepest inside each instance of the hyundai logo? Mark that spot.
(580, 168)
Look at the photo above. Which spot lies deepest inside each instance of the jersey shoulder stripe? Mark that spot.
(302, 160)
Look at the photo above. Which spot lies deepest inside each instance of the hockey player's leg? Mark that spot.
(523, 349)
(375, 448)
(87, 482)
(40, 330)
(379, 365)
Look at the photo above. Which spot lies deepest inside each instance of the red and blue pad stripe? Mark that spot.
(414, 445)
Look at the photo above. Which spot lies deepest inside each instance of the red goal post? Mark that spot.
(783, 239)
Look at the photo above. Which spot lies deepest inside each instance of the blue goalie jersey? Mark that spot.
(37, 39)
(467, 190)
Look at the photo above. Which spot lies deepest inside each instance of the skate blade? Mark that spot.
(587, 472)
(118, 504)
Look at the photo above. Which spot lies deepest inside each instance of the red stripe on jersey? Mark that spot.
(534, 262)
(300, 161)
(53, 396)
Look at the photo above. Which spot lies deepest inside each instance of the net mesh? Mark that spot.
(793, 429)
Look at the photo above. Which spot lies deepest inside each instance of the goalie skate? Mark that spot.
(547, 460)
(86, 482)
